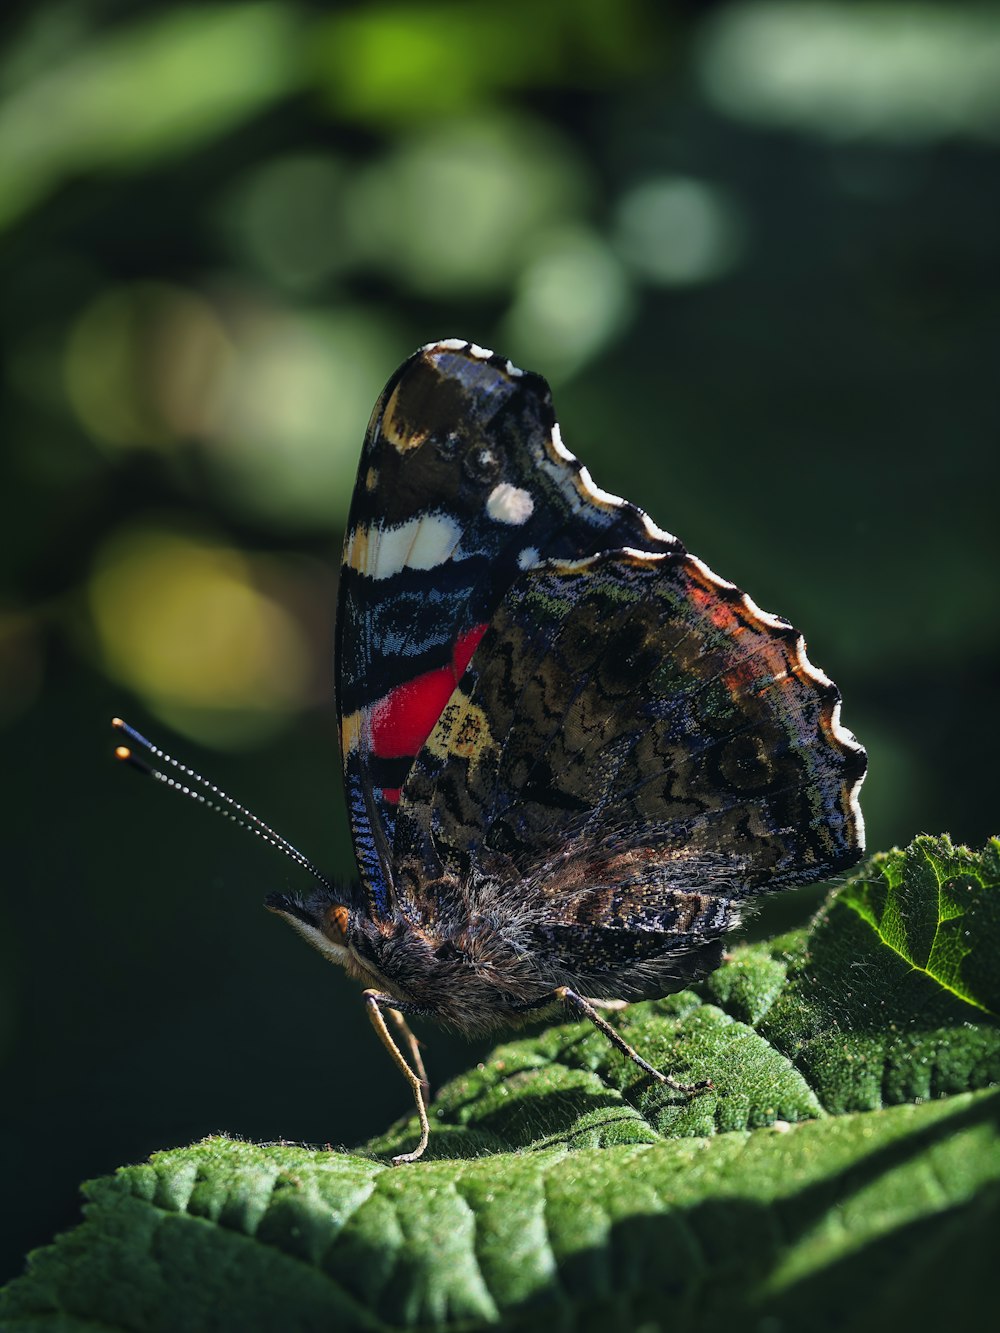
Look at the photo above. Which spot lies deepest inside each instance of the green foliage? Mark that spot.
(843, 1172)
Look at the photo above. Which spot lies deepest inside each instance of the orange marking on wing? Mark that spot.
(399, 432)
(356, 555)
(737, 679)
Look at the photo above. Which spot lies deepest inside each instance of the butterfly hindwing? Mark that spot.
(640, 747)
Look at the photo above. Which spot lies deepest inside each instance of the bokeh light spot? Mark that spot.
(572, 299)
(287, 216)
(677, 231)
(163, 83)
(400, 63)
(144, 365)
(295, 411)
(901, 73)
(182, 621)
(453, 210)
(277, 400)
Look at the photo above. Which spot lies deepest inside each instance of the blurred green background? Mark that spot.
(753, 246)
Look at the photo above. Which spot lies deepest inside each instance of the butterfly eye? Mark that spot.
(338, 918)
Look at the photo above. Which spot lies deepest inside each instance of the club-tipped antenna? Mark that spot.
(207, 794)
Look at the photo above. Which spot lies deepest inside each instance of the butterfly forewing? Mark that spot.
(464, 483)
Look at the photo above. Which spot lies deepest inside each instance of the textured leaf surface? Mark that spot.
(892, 995)
(691, 1232)
(843, 1172)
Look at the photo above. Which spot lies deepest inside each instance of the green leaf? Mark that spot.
(843, 1172)
(934, 906)
(893, 995)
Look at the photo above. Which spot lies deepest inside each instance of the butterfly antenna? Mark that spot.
(205, 793)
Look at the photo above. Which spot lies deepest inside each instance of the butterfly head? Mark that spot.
(337, 923)
(321, 916)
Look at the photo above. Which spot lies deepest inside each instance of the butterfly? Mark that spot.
(573, 756)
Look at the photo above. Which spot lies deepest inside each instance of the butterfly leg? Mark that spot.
(374, 1003)
(586, 1009)
(413, 1049)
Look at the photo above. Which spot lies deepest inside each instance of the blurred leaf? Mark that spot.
(902, 73)
(459, 206)
(397, 63)
(160, 85)
(572, 299)
(145, 365)
(286, 215)
(567, 1187)
(189, 624)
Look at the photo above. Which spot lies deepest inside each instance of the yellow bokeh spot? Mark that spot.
(274, 401)
(182, 621)
(147, 365)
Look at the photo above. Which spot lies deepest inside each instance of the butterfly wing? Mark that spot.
(641, 691)
(640, 748)
(464, 482)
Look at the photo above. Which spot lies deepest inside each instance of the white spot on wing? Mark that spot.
(596, 493)
(515, 372)
(848, 739)
(710, 574)
(814, 672)
(859, 819)
(483, 353)
(588, 488)
(560, 448)
(765, 617)
(648, 557)
(446, 345)
(435, 540)
(528, 557)
(421, 543)
(509, 504)
(843, 735)
(655, 531)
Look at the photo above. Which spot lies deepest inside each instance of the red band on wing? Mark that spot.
(464, 648)
(403, 720)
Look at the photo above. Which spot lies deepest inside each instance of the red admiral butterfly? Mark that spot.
(573, 754)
